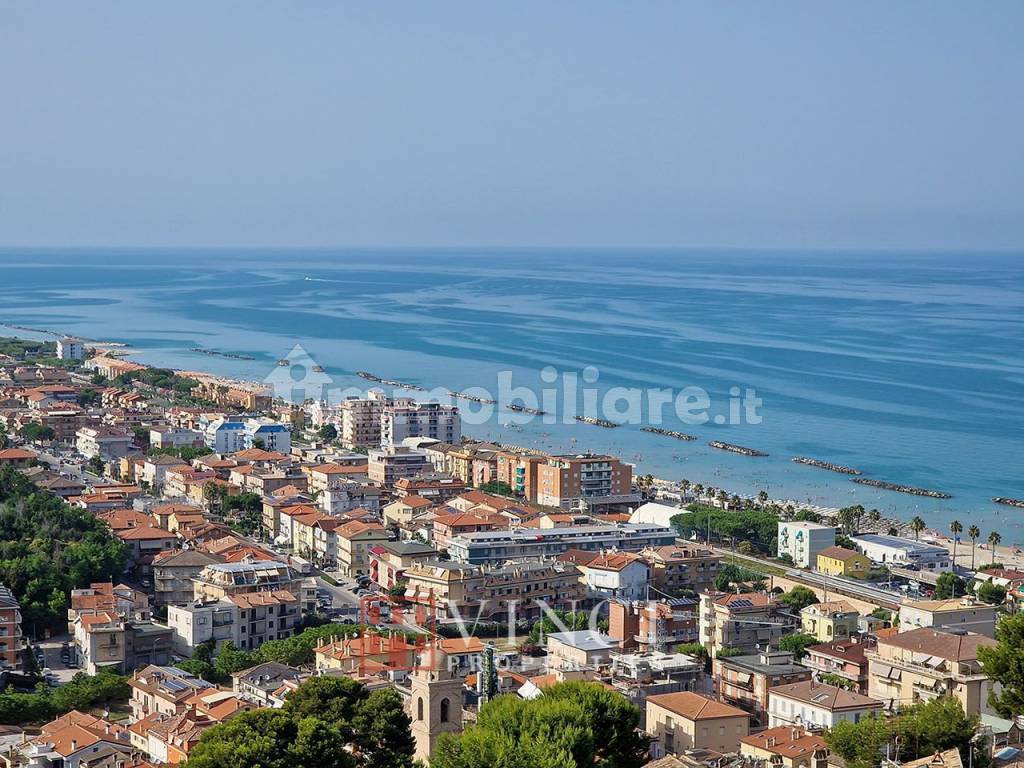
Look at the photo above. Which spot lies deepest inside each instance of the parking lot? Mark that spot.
(60, 672)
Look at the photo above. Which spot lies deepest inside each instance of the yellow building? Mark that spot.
(685, 720)
(836, 620)
(839, 561)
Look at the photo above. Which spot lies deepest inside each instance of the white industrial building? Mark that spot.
(903, 553)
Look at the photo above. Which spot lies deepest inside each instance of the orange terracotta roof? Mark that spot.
(693, 706)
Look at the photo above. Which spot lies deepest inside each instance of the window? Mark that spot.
(419, 708)
(445, 706)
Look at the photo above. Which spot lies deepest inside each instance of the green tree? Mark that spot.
(1003, 665)
(935, 726)
(88, 396)
(798, 598)
(328, 432)
(973, 533)
(382, 732)
(994, 539)
(949, 585)
(991, 593)
(336, 699)
(955, 528)
(271, 738)
(48, 548)
(917, 525)
(96, 465)
(231, 659)
(572, 725)
(797, 644)
(862, 744)
(35, 432)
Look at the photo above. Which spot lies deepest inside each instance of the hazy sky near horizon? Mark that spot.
(792, 124)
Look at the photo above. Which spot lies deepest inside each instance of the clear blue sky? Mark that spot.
(854, 124)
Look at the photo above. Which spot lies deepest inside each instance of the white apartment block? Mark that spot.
(70, 349)
(403, 418)
(803, 540)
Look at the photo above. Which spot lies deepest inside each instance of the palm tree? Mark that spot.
(762, 496)
(956, 528)
(994, 538)
(845, 518)
(917, 525)
(974, 533)
(875, 517)
(858, 513)
(684, 485)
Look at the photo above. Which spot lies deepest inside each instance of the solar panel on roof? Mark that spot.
(743, 603)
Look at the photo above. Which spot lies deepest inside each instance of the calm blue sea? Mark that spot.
(907, 366)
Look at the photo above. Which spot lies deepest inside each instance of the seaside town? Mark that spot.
(196, 572)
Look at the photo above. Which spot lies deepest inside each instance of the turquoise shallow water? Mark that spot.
(906, 366)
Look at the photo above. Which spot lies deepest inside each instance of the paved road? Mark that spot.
(51, 652)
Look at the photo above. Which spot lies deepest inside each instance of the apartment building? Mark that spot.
(803, 541)
(144, 543)
(499, 546)
(962, 613)
(925, 663)
(199, 621)
(107, 443)
(106, 597)
(447, 526)
(175, 437)
(744, 681)
(435, 487)
(173, 572)
(237, 433)
(747, 621)
(844, 658)
(163, 689)
(519, 470)
(10, 630)
(390, 559)
(70, 349)
(653, 625)
(834, 620)
(610, 575)
(817, 706)
(402, 511)
(266, 616)
(679, 722)
(328, 475)
(387, 465)
(562, 480)
(108, 641)
(64, 420)
(682, 568)
(492, 593)
(227, 579)
(360, 420)
(355, 540)
(584, 649)
(404, 418)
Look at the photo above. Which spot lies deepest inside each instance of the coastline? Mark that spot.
(1006, 552)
